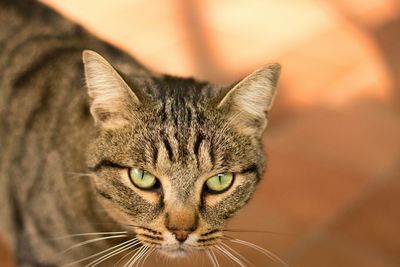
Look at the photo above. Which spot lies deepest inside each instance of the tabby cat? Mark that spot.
(132, 163)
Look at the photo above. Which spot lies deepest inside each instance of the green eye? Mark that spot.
(220, 182)
(141, 178)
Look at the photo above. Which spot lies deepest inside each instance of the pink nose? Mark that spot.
(181, 235)
(181, 224)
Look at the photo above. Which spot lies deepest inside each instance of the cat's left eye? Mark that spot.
(220, 182)
(141, 178)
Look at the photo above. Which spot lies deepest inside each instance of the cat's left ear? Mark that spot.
(112, 100)
(249, 101)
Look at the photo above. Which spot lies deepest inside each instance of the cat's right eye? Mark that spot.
(220, 182)
(141, 178)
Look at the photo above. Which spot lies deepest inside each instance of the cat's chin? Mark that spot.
(175, 253)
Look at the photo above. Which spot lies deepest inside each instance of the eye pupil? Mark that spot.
(142, 179)
(219, 183)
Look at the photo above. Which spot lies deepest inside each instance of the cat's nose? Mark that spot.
(181, 223)
(181, 235)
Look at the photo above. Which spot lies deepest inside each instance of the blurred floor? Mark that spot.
(332, 188)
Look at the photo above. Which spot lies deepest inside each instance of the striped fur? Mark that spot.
(60, 173)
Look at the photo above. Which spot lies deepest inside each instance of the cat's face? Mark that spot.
(175, 160)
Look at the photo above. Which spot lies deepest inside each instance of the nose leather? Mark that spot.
(181, 235)
(181, 224)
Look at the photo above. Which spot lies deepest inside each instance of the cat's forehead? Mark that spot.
(179, 89)
(180, 103)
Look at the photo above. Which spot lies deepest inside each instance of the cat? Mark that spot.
(128, 159)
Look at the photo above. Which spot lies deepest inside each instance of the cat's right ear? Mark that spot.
(111, 98)
(249, 101)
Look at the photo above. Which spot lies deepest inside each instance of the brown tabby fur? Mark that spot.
(64, 171)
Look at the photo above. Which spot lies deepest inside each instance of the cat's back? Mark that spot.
(44, 115)
(31, 37)
(39, 53)
(40, 81)
(26, 25)
(41, 67)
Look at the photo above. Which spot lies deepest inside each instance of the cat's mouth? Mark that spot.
(167, 243)
(182, 250)
(172, 250)
(177, 252)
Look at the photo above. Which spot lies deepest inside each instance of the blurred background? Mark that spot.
(331, 194)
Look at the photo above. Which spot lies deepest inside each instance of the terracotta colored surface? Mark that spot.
(6, 258)
(330, 193)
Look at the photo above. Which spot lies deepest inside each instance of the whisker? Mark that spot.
(125, 256)
(91, 241)
(211, 258)
(133, 225)
(253, 231)
(230, 255)
(109, 223)
(101, 252)
(144, 258)
(111, 254)
(264, 251)
(223, 254)
(128, 263)
(89, 234)
(133, 256)
(237, 254)
(215, 258)
(136, 256)
(82, 174)
(140, 257)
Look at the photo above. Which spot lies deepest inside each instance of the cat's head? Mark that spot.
(174, 158)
